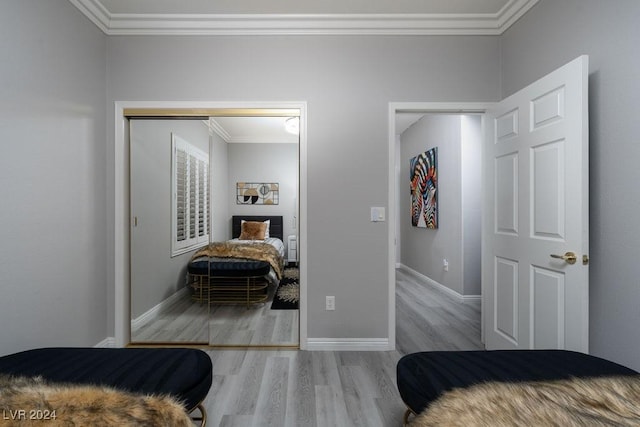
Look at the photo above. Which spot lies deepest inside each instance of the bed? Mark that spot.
(239, 271)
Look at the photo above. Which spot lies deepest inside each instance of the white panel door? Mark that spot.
(536, 211)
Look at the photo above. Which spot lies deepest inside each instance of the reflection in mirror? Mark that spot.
(253, 155)
(169, 210)
(171, 217)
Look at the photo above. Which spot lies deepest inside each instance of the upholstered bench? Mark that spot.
(423, 377)
(184, 374)
(226, 267)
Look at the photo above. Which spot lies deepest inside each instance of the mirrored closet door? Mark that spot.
(189, 178)
(258, 158)
(169, 185)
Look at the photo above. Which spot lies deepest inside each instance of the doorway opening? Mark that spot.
(439, 272)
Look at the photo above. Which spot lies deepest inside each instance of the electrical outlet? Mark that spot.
(330, 303)
(445, 264)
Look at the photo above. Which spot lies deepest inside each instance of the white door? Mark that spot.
(536, 208)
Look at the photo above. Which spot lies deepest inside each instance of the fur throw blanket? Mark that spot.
(605, 401)
(258, 251)
(33, 402)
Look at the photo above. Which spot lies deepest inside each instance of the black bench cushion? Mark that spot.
(423, 377)
(228, 267)
(199, 266)
(185, 374)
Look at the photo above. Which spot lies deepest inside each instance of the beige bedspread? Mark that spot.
(256, 251)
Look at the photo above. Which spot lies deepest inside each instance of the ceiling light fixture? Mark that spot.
(292, 125)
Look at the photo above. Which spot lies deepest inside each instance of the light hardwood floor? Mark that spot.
(428, 319)
(303, 388)
(330, 388)
(185, 321)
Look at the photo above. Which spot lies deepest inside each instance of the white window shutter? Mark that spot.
(182, 185)
(190, 201)
(203, 200)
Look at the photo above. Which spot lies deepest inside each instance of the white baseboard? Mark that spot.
(442, 288)
(153, 312)
(348, 344)
(108, 342)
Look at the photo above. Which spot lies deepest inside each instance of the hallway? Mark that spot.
(429, 320)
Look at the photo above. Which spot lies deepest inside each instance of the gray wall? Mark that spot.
(155, 274)
(423, 250)
(548, 36)
(457, 238)
(471, 153)
(347, 83)
(220, 228)
(53, 273)
(265, 163)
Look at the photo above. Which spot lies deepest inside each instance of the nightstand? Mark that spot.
(292, 249)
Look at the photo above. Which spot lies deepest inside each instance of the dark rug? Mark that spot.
(287, 296)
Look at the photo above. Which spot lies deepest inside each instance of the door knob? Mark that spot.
(569, 257)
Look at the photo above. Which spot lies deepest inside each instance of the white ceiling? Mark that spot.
(289, 17)
(253, 130)
(272, 130)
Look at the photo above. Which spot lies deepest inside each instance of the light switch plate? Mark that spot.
(377, 214)
(330, 304)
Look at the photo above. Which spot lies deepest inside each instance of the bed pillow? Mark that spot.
(253, 230)
(266, 233)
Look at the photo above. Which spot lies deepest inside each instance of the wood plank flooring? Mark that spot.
(335, 389)
(303, 389)
(185, 321)
(428, 319)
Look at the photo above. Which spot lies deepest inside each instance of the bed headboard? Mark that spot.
(276, 228)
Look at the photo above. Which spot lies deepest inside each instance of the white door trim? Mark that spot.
(412, 107)
(121, 266)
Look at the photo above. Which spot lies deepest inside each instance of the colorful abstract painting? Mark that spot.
(257, 193)
(424, 189)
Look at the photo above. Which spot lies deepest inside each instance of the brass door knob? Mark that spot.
(569, 257)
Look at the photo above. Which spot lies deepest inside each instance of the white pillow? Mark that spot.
(266, 233)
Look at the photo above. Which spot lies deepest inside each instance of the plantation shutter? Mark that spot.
(193, 197)
(182, 181)
(203, 200)
(190, 201)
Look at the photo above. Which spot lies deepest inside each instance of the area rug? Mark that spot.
(287, 295)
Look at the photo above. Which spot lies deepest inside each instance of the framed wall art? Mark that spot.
(424, 189)
(257, 193)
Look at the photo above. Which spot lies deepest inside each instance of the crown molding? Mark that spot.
(215, 127)
(258, 140)
(512, 11)
(95, 11)
(303, 24)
